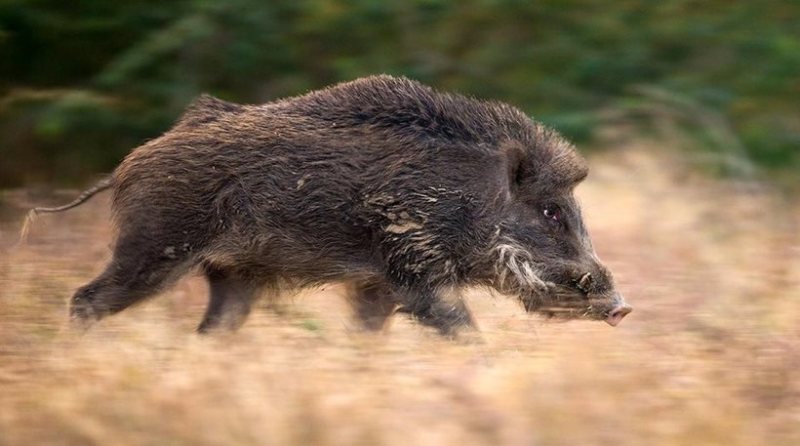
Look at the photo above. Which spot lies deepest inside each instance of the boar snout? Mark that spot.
(588, 295)
(599, 289)
(617, 313)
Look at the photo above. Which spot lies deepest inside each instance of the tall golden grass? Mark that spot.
(710, 356)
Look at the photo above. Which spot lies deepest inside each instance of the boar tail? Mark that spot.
(82, 198)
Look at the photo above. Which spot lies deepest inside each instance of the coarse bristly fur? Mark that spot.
(403, 193)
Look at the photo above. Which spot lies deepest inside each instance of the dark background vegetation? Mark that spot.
(83, 82)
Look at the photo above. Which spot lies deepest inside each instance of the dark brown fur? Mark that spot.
(405, 194)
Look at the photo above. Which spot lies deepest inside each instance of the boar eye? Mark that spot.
(552, 212)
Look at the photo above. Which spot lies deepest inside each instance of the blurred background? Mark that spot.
(687, 111)
(83, 82)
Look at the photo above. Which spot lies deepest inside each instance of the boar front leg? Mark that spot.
(444, 311)
(373, 303)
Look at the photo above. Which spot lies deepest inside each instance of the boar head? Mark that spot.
(542, 252)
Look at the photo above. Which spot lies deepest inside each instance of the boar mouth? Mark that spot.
(559, 313)
(563, 303)
(586, 312)
(589, 312)
(555, 299)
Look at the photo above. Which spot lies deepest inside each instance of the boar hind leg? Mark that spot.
(445, 312)
(131, 276)
(230, 301)
(373, 304)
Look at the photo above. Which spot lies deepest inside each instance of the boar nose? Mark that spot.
(617, 313)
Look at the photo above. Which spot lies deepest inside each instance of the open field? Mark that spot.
(710, 355)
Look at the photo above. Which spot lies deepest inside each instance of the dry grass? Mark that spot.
(710, 355)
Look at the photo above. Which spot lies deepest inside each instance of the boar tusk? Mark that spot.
(585, 282)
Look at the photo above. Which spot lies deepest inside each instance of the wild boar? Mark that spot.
(404, 194)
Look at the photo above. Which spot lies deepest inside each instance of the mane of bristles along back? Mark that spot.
(389, 102)
(207, 109)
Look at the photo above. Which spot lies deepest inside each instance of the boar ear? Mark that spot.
(513, 157)
(568, 167)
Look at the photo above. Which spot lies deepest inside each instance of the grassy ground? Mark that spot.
(711, 354)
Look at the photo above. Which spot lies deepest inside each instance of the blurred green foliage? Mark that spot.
(82, 82)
